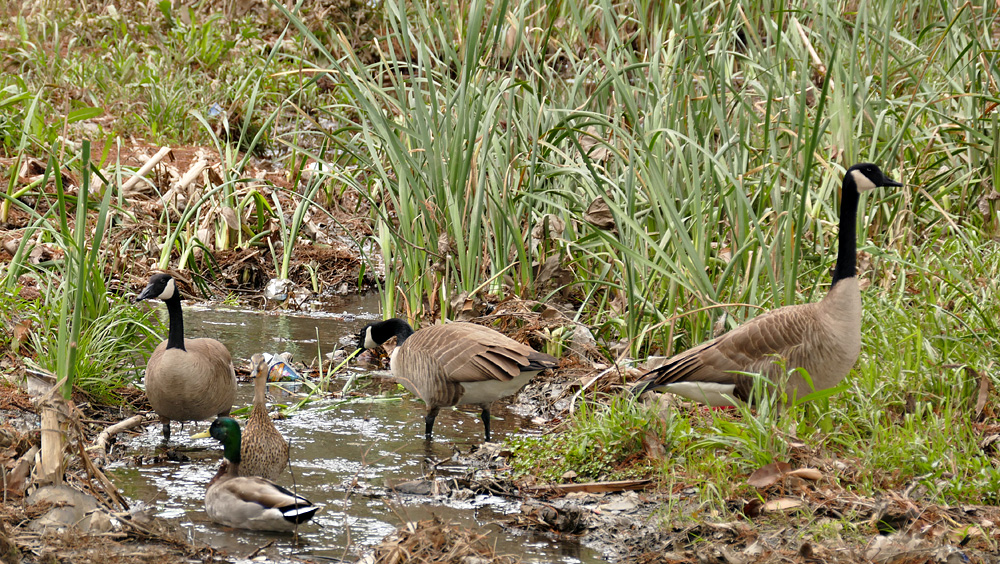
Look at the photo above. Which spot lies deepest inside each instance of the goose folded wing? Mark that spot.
(754, 347)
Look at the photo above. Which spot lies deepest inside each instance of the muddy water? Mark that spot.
(343, 455)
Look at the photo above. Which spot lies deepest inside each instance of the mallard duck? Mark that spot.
(249, 502)
(456, 364)
(823, 337)
(186, 379)
(264, 450)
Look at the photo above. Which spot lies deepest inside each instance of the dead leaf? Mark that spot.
(807, 474)
(445, 245)
(782, 504)
(552, 273)
(984, 203)
(22, 330)
(654, 447)
(230, 217)
(768, 474)
(599, 215)
(984, 392)
(753, 508)
(11, 245)
(549, 228)
(463, 307)
(989, 443)
(40, 254)
(593, 146)
(549, 313)
(31, 170)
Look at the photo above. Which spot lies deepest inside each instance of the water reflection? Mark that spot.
(343, 455)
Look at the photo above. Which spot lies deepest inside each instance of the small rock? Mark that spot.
(415, 487)
(75, 509)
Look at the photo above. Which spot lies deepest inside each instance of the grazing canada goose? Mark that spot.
(249, 502)
(264, 451)
(456, 363)
(186, 379)
(823, 337)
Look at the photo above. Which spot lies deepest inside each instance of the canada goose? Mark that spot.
(186, 379)
(823, 337)
(264, 451)
(455, 364)
(249, 502)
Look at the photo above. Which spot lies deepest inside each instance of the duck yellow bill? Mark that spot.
(202, 435)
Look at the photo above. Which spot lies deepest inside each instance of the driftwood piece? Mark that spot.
(99, 450)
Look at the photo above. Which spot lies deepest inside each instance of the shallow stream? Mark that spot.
(343, 455)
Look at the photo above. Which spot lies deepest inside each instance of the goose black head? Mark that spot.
(374, 334)
(867, 176)
(160, 287)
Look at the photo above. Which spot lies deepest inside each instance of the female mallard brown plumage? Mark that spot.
(823, 337)
(264, 451)
(186, 379)
(249, 502)
(456, 364)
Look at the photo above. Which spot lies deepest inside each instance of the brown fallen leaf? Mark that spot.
(768, 474)
(230, 217)
(22, 331)
(593, 146)
(599, 215)
(552, 273)
(807, 474)
(549, 228)
(984, 392)
(654, 447)
(782, 504)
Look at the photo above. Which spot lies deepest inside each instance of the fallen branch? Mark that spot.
(145, 169)
(593, 487)
(100, 447)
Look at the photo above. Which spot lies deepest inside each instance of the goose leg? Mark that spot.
(166, 429)
(486, 421)
(429, 422)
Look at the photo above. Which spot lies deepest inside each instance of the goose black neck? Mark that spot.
(394, 327)
(847, 239)
(175, 336)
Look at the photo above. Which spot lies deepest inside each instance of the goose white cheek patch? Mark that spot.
(863, 183)
(168, 291)
(369, 342)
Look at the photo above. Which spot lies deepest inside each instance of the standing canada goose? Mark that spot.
(249, 502)
(456, 364)
(823, 337)
(186, 379)
(264, 451)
